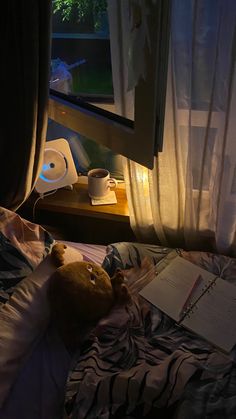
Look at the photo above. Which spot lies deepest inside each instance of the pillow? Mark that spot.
(24, 273)
(24, 319)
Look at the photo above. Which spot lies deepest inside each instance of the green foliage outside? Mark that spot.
(90, 80)
(82, 8)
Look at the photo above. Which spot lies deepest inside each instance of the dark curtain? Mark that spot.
(25, 70)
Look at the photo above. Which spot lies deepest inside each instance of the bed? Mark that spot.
(135, 363)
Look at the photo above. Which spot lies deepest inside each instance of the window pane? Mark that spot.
(81, 59)
(197, 61)
(87, 154)
(138, 42)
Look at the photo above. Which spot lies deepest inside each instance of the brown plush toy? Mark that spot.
(80, 294)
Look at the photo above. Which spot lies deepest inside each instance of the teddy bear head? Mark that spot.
(82, 291)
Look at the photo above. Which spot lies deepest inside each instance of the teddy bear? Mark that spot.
(80, 294)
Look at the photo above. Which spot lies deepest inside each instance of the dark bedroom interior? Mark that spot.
(118, 209)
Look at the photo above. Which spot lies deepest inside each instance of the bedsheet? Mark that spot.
(137, 362)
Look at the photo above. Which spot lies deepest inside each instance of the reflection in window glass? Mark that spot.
(81, 60)
(87, 154)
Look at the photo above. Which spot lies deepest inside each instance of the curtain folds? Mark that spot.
(189, 198)
(25, 70)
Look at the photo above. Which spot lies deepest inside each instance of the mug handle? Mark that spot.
(112, 182)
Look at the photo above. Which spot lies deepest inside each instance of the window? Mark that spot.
(195, 30)
(81, 59)
(89, 85)
(87, 154)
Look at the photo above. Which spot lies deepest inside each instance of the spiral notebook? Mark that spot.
(196, 299)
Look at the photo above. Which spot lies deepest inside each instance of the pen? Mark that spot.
(187, 302)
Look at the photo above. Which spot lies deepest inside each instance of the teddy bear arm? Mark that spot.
(120, 289)
(57, 254)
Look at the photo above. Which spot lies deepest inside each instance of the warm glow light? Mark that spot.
(142, 178)
(142, 175)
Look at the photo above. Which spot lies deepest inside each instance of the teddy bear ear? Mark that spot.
(57, 254)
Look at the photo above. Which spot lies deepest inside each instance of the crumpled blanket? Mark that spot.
(23, 245)
(137, 362)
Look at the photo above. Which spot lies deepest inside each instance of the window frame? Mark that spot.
(141, 140)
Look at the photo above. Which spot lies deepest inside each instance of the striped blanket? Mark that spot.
(138, 364)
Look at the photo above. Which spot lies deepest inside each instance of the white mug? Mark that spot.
(99, 183)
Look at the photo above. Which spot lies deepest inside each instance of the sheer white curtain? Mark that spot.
(189, 198)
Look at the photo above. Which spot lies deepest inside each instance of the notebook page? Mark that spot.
(214, 315)
(171, 288)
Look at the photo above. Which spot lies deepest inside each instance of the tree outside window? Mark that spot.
(90, 15)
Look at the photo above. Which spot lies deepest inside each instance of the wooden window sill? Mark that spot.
(71, 215)
(77, 202)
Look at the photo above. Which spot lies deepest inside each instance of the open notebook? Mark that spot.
(197, 300)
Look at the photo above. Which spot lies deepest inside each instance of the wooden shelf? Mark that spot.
(69, 215)
(77, 202)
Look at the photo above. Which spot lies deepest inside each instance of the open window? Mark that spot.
(109, 71)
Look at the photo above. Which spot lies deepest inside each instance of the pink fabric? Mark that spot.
(91, 252)
(24, 235)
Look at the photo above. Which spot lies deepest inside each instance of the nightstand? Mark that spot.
(69, 215)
